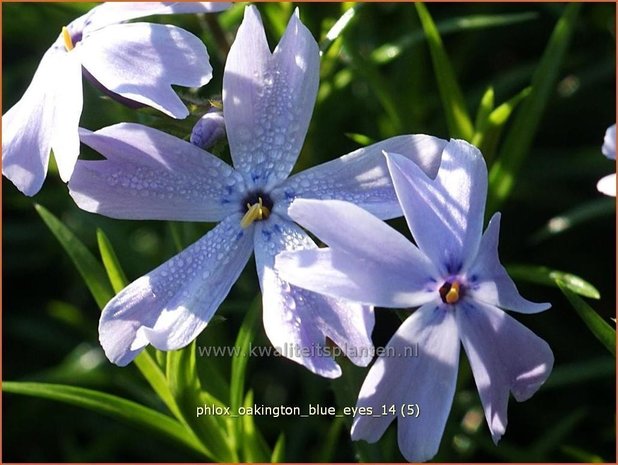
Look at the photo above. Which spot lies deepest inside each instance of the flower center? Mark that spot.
(257, 208)
(451, 292)
(68, 41)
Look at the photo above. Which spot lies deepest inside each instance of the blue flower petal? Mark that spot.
(445, 215)
(504, 356)
(488, 280)
(116, 12)
(418, 369)
(46, 114)
(367, 261)
(299, 321)
(362, 177)
(141, 61)
(268, 99)
(149, 174)
(172, 304)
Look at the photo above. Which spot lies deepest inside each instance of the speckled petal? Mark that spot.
(489, 281)
(149, 174)
(297, 321)
(368, 261)
(172, 304)
(504, 356)
(362, 177)
(27, 129)
(419, 368)
(445, 215)
(116, 12)
(141, 61)
(268, 99)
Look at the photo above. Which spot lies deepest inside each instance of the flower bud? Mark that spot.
(208, 129)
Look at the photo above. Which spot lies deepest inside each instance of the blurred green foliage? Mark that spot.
(381, 67)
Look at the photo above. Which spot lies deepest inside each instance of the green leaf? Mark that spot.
(457, 118)
(113, 406)
(582, 456)
(519, 138)
(486, 106)
(245, 336)
(89, 268)
(278, 455)
(254, 447)
(569, 374)
(340, 25)
(548, 277)
(388, 52)
(360, 139)
(599, 327)
(488, 135)
(579, 215)
(110, 262)
(185, 387)
(378, 84)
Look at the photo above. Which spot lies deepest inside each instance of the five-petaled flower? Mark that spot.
(607, 184)
(268, 100)
(456, 278)
(136, 63)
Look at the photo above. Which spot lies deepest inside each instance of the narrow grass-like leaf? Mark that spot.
(486, 106)
(579, 215)
(278, 455)
(599, 327)
(246, 334)
(113, 406)
(185, 387)
(555, 435)
(580, 455)
(379, 86)
(488, 136)
(340, 25)
(457, 118)
(548, 277)
(110, 262)
(519, 138)
(360, 139)
(566, 376)
(254, 447)
(89, 268)
(388, 52)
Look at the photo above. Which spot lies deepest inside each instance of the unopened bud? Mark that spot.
(209, 129)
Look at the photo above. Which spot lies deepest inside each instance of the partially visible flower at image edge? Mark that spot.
(136, 63)
(607, 184)
(268, 100)
(454, 276)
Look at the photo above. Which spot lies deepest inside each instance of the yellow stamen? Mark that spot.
(255, 212)
(68, 42)
(452, 296)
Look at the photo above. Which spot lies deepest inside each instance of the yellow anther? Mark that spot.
(452, 296)
(255, 212)
(68, 42)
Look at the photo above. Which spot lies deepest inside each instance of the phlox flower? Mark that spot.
(453, 274)
(136, 63)
(607, 184)
(268, 100)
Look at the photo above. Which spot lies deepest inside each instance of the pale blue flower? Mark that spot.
(607, 184)
(136, 63)
(268, 100)
(454, 276)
